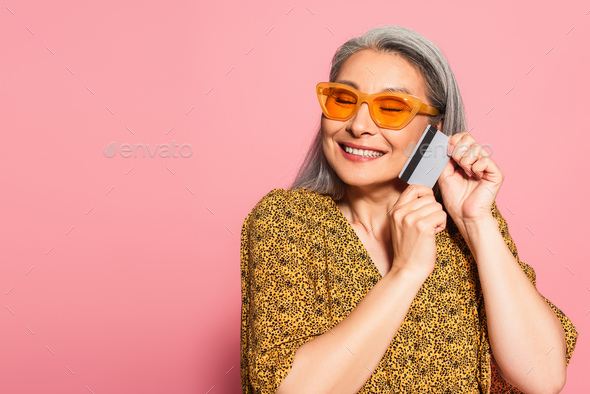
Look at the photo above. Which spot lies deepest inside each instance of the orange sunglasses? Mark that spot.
(390, 110)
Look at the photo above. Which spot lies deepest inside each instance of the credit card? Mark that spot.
(428, 159)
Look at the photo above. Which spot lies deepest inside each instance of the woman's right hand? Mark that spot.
(415, 219)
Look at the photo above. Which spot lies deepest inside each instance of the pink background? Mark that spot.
(121, 275)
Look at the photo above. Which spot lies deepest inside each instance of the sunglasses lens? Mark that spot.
(339, 103)
(391, 111)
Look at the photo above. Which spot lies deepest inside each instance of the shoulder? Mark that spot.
(289, 206)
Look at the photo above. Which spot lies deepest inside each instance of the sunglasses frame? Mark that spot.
(414, 103)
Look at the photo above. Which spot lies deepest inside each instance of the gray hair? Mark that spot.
(442, 92)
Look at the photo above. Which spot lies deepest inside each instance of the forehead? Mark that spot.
(373, 72)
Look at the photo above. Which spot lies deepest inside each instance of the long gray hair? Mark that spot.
(442, 92)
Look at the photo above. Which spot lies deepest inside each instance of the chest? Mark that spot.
(381, 253)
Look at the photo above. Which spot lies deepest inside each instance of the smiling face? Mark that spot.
(372, 72)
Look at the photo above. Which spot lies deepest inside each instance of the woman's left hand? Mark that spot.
(469, 190)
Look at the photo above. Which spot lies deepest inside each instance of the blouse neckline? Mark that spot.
(351, 232)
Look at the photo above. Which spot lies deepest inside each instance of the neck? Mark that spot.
(368, 206)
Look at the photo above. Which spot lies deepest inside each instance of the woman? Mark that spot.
(354, 281)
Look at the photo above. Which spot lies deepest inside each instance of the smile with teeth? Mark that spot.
(362, 152)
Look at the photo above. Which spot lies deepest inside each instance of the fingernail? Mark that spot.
(449, 150)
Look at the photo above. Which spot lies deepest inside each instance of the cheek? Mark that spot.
(330, 127)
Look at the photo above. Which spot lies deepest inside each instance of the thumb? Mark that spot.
(447, 171)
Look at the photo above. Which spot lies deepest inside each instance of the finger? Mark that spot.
(439, 219)
(470, 156)
(430, 213)
(447, 171)
(414, 192)
(456, 139)
(486, 166)
(480, 166)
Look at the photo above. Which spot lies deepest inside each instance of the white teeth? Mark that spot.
(362, 152)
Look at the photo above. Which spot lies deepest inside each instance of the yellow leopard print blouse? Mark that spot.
(304, 269)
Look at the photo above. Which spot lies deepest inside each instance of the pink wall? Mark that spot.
(121, 275)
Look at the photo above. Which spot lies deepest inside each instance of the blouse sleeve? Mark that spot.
(571, 334)
(277, 296)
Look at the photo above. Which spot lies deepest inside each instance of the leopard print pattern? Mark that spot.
(304, 269)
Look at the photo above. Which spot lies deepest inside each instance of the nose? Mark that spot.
(362, 122)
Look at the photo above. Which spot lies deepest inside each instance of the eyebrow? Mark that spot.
(387, 88)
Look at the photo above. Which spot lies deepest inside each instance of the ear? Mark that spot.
(439, 125)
